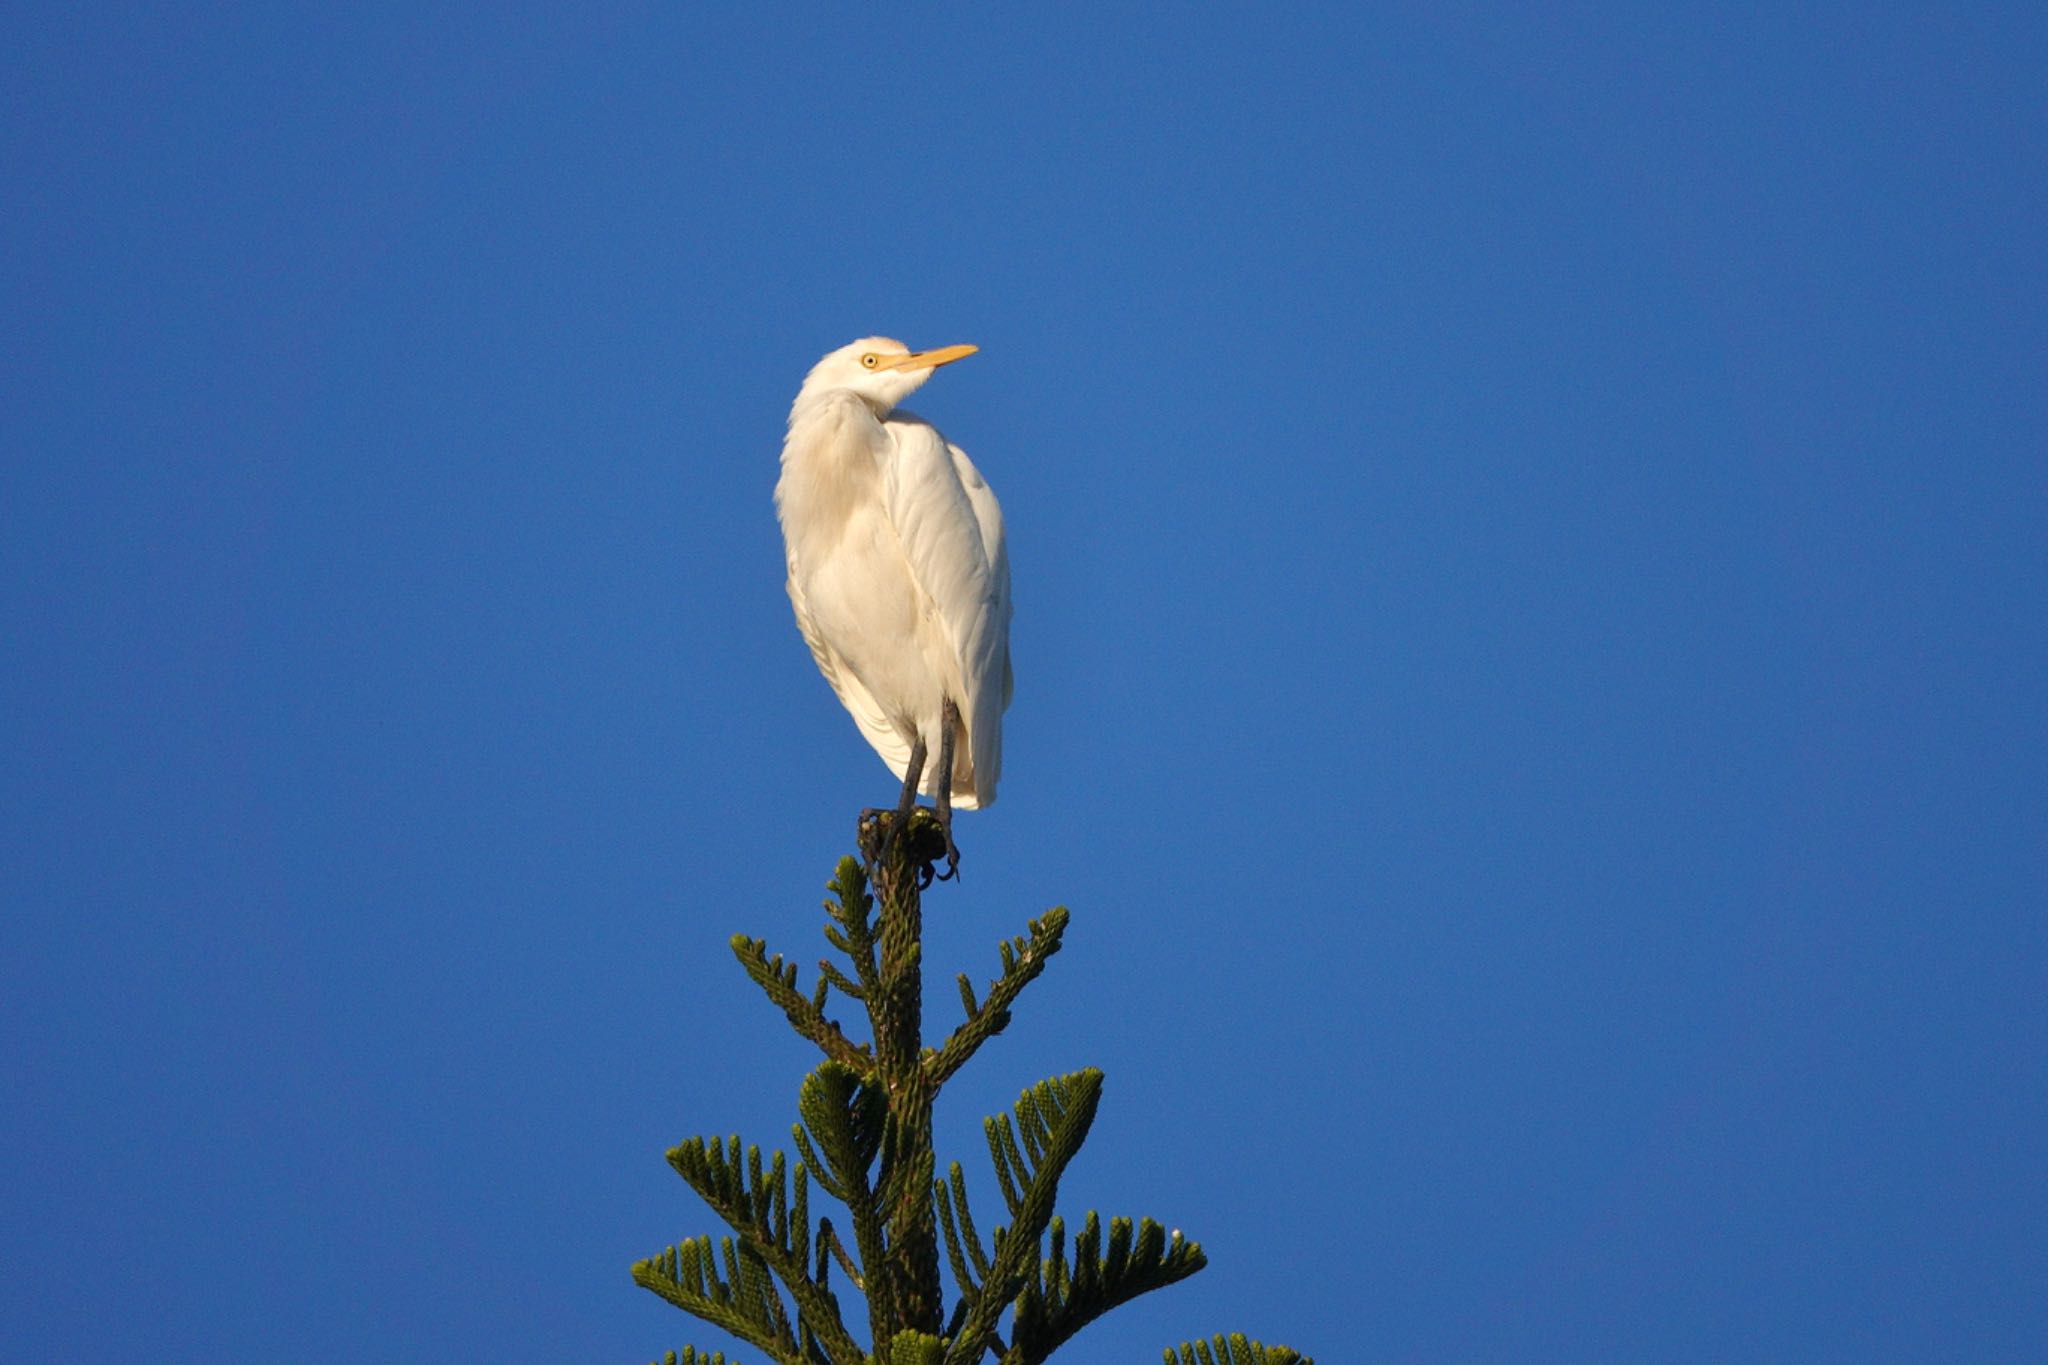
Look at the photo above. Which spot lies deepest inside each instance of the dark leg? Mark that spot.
(949, 721)
(912, 773)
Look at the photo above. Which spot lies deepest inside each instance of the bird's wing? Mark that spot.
(990, 691)
(867, 713)
(952, 535)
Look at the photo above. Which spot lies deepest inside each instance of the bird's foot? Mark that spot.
(873, 833)
(924, 838)
(952, 872)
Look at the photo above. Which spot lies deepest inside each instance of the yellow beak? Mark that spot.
(927, 360)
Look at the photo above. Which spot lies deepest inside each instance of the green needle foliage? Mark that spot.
(1235, 1349)
(864, 1141)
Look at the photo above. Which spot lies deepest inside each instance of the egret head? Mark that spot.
(882, 372)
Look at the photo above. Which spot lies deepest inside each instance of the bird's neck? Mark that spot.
(829, 459)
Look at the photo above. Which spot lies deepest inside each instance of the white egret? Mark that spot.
(898, 573)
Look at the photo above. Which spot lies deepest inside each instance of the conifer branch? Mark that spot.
(829, 1240)
(916, 1348)
(865, 1138)
(832, 976)
(962, 1241)
(806, 1014)
(908, 1275)
(1052, 1120)
(1023, 959)
(963, 1244)
(692, 1356)
(852, 929)
(844, 1119)
(757, 1206)
(1063, 1298)
(687, 1276)
(1236, 1349)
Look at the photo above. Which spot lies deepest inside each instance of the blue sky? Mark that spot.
(1527, 533)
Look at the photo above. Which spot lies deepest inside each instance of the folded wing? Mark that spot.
(952, 534)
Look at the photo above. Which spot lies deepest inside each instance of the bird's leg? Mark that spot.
(912, 774)
(949, 721)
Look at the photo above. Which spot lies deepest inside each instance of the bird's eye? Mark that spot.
(868, 361)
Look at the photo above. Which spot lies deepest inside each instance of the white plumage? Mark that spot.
(897, 568)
